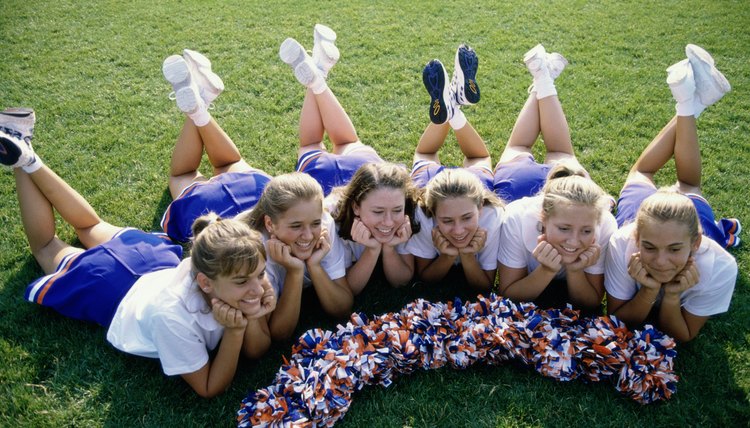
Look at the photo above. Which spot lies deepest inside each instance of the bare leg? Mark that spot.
(40, 192)
(473, 147)
(687, 155)
(431, 142)
(336, 121)
(555, 131)
(657, 153)
(525, 131)
(311, 129)
(222, 153)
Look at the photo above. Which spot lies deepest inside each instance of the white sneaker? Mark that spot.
(464, 81)
(209, 83)
(681, 82)
(15, 152)
(556, 64)
(308, 73)
(292, 53)
(536, 61)
(325, 54)
(711, 85)
(187, 94)
(18, 122)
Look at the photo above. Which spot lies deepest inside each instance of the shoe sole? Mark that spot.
(176, 72)
(322, 32)
(187, 100)
(439, 91)
(466, 66)
(292, 53)
(706, 73)
(304, 73)
(12, 153)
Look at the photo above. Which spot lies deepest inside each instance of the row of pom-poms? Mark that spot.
(315, 387)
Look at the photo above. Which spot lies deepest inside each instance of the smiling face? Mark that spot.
(457, 219)
(571, 229)
(299, 227)
(382, 212)
(242, 290)
(665, 248)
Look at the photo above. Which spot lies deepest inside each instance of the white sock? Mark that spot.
(318, 86)
(201, 117)
(458, 120)
(33, 166)
(685, 108)
(544, 87)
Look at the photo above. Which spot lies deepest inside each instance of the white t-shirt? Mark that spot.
(165, 316)
(522, 227)
(716, 267)
(333, 262)
(490, 219)
(352, 250)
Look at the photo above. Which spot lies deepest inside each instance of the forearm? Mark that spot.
(360, 272)
(437, 268)
(336, 299)
(634, 311)
(671, 319)
(476, 276)
(284, 318)
(397, 270)
(530, 286)
(582, 291)
(224, 365)
(257, 338)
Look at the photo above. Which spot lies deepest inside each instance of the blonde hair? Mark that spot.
(368, 178)
(224, 247)
(670, 205)
(281, 194)
(567, 183)
(456, 183)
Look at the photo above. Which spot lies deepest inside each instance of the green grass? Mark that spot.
(92, 71)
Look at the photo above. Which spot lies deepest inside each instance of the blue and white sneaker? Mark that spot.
(710, 83)
(209, 83)
(436, 82)
(732, 228)
(325, 54)
(464, 83)
(15, 152)
(18, 122)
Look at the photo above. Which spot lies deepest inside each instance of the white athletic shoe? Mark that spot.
(308, 73)
(18, 122)
(325, 54)
(711, 85)
(292, 53)
(681, 82)
(209, 83)
(14, 151)
(536, 61)
(556, 64)
(187, 94)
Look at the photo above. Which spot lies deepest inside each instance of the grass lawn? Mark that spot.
(92, 72)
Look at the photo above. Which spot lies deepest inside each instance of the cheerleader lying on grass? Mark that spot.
(667, 262)
(303, 250)
(133, 282)
(459, 215)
